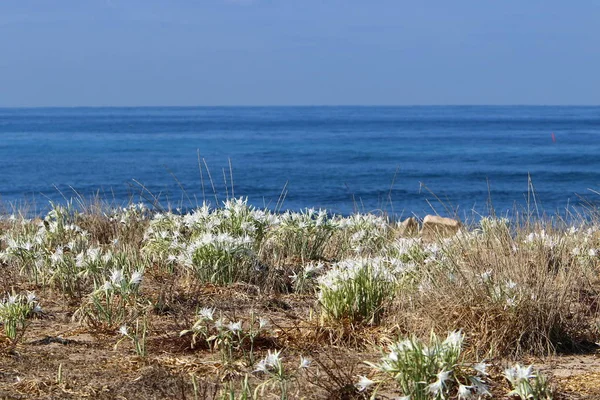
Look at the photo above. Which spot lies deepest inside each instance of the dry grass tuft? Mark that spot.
(512, 292)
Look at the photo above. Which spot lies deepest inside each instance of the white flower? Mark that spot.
(511, 302)
(93, 254)
(440, 384)
(272, 359)
(37, 309)
(432, 351)
(80, 258)
(524, 373)
(116, 276)
(465, 392)
(436, 387)
(12, 299)
(31, 297)
(443, 376)
(235, 326)
(364, 383)
(123, 330)
(518, 373)
(136, 278)
(107, 286)
(403, 346)
(592, 252)
(304, 362)
(261, 366)
(312, 269)
(263, 323)
(481, 368)
(455, 339)
(57, 256)
(207, 313)
(479, 387)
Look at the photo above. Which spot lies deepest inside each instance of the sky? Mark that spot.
(298, 52)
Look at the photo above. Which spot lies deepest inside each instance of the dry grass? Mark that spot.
(550, 308)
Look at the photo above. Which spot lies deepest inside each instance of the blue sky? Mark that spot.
(298, 52)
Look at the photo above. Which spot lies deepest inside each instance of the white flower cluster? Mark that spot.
(526, 383)
(221, 332)
(15, 309)
(506, 292)
(118, 281)
(307, 275)
(492, 225)
(359, 288)
(235, 228)
(30, 301)
(128, 215)
(367, 232)
(309, 218)
(412, 364)
(546, 240)
(414, 250)
(368, 222)
(383, 269)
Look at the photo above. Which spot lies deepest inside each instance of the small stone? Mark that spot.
(408, 227)
(435, 227)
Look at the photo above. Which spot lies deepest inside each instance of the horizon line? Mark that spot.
(298, 106)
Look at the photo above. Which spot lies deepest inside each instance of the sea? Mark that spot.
(458, 160)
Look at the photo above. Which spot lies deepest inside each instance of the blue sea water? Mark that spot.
(399, 159)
